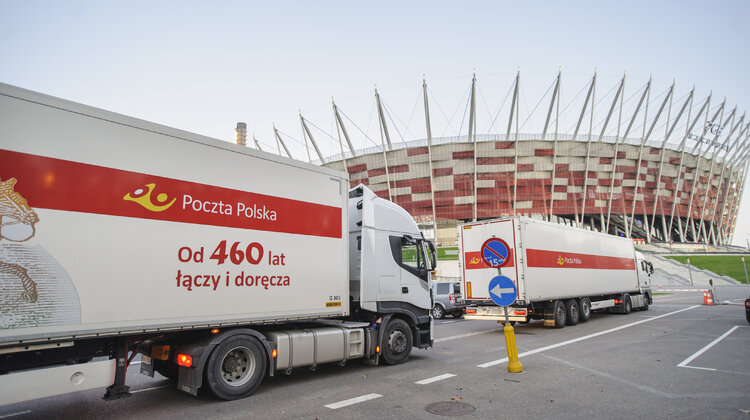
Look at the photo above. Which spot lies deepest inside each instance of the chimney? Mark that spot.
(241, 133)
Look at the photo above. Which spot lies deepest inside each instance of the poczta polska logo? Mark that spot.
(143, 197)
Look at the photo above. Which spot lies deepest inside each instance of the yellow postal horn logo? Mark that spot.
(560, 260)
(143, 197)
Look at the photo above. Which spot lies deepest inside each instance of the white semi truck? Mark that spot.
(560, 273)
(217, 263)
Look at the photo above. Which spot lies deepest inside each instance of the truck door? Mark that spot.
(412, 257)
(644, 270)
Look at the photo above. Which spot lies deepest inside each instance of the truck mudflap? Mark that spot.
(190, 379)
(497, 313)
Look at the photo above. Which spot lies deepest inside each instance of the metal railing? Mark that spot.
(734, 294)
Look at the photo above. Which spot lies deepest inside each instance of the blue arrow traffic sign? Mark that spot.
(502, 290)
(495, 252)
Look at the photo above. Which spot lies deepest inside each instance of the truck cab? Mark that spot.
(390, 264)
(644, 269)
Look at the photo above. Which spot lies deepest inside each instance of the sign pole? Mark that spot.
(496, 253)
(514, 366)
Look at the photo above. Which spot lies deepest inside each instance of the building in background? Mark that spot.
(665, 169)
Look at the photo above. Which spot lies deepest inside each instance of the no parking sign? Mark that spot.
(495, 252)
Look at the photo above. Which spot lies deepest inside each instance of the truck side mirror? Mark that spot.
(433, 255)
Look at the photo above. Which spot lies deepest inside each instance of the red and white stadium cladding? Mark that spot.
(678, 195)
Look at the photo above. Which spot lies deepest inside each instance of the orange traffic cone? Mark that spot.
(707, 299)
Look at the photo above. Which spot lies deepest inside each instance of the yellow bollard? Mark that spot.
(514, 366)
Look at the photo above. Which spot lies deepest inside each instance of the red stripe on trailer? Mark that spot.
(539, 258)
(474, 261)
(55, 184)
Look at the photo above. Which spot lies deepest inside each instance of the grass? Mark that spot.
(451, 255)
(727, 265)
(410, 254)
(660, 293)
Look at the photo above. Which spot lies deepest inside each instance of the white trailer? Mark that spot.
(119, 236)
(560, 273)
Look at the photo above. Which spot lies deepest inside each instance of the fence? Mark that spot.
(731, 293)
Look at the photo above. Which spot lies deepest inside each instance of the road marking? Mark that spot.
(351, 401)
(434, 379)
(704, 349)
(455, 337)
(680, 290)
(700, 368)
(151, 389)
(585, 337)
(15, 414)
(451, 322)
(717, 395)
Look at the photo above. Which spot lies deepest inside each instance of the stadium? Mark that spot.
(655, 166)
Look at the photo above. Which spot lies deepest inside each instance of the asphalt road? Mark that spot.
(678, 359)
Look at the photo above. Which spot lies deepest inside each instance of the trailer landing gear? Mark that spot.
(119, 389)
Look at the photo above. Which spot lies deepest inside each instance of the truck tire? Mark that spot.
(397, 342)
(645, 302)
(438, 312)
(571, 312)
(627, 306)
(235, 367)
(584, 309)
(560, 314)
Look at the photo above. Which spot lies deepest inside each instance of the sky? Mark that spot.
(202, 66)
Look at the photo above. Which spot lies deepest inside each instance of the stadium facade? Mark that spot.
(680, 182)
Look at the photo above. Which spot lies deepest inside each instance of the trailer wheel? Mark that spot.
(560, 315)
(235, 368)
(397, 342)
(584, 309)
(571, 312)
(438, 312)
(627, 306)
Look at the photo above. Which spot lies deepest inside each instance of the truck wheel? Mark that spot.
(645, 302)
(397, 342)
(560, 315)
(571, 311)
(235, 368)
(438, 312)
(627, 306)
(584, 309)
